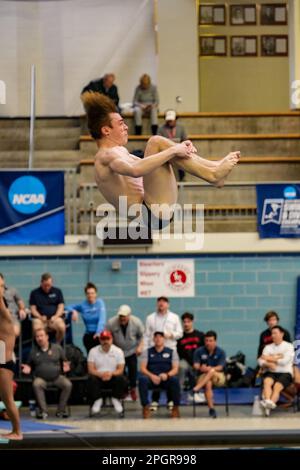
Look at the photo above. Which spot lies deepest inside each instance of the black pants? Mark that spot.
(89, 341)
(131, 369)
(97, 388)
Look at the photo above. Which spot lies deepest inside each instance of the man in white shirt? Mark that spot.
(163, 320)
(169, 323)
(106, 372)
(277, 362)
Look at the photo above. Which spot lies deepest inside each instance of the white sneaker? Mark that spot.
(154, 406)
(128, 398)
(170, 405)
(97, 406)
(199, 397)
(263, 403)
(117, 405)
(270, 404)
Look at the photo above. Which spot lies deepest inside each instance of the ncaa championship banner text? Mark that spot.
(32, 208)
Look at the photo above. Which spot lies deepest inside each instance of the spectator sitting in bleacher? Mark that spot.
(173, 131)
(272, 319)
(93, 312)
(48, 363)
(47, 308)
(209, 361)
(127, 331)
(105, 86)
(159, 369)
(276, 362)
(15, 305)
(191, 340)
(106, 373)
(145, 102)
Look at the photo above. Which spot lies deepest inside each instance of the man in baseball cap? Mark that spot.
(128, 331)
(173, 131)
(124, 311)
(105, 334)
(106, 372)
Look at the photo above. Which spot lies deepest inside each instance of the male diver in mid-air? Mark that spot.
(150, 181)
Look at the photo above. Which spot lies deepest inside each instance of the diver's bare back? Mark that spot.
(113, 185)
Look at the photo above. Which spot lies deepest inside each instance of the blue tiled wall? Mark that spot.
(232, 293)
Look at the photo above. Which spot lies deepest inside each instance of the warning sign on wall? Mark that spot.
(172, 278)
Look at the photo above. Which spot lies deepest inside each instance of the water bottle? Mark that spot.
(256, 409)
(32, 408)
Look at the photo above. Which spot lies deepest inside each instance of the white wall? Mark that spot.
(244, 84)
(72, 42)
(178, 54)
(294, 53)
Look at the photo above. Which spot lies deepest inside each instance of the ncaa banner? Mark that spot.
(172, 278)
(32, 208)
(278, 210)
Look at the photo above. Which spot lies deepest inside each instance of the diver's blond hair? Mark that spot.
(97, 107)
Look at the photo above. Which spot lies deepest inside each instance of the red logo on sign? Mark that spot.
(178, 277)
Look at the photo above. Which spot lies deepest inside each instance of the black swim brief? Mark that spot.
(10, 365)
(152, 221)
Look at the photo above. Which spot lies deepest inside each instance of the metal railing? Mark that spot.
(89, 193)
(32, 118)
(90, 198)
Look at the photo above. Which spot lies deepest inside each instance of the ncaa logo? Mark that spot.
(27, 194)
(290, 192)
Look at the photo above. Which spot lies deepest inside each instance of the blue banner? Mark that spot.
(32, 208)
(278, 210)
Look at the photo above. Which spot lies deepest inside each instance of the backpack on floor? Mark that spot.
(235, 368)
